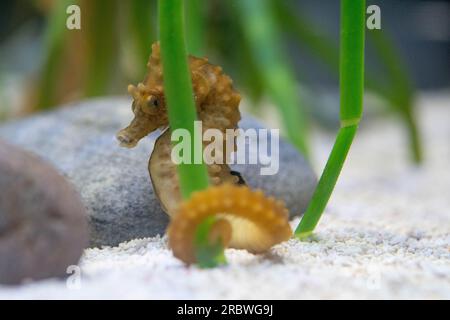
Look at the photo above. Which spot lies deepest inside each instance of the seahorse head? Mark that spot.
(148, 105)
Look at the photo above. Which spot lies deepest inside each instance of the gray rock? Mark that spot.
(43, 223)
(79, 140)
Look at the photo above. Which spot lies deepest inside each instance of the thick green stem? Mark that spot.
(178, 91)
(264, 41)
(352, 90)
(182, 114)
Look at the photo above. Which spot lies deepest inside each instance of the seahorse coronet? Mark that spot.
(267, 227)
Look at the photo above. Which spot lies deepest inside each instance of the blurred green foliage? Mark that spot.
(54, 41)
(246, 37)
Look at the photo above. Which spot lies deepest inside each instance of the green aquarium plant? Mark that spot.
(195, 26)
(248, 37)
(263, 38)
(54, 41)
(102, 43)
(178, 90)
(351, 101)
(142, 27)
(260, 63)
(201, 225)
(182, 110)
(182, 115)
(398, 92)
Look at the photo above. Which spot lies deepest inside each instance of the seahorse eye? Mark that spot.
(152, 102)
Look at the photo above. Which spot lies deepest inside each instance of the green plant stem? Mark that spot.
(143, 28)
(400, 91)
(351, 92)
(195, 26)
(182, 114)
(264, 42)
(54, 46)
(399, 94)
(102, 45)
(178, 90)
(208, 255)
(229, 36)
(303, 31)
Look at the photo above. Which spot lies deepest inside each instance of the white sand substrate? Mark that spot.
(384, 235)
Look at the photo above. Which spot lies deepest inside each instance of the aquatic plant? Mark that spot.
(216, 27)
(209, 218)
(54, 41)
(263, 38)
(397, 89)
(178, 90)
(264, 69)
(351, 95)
(179, 95)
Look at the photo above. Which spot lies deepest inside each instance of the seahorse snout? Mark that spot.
(126, 140)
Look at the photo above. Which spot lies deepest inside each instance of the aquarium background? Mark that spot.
(63, 96)
(43, 65)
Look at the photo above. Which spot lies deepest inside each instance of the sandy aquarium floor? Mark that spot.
(385, 234)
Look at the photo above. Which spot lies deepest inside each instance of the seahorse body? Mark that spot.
(256, 222)
(217, 104)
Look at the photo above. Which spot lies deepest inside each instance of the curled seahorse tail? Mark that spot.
(256, 222)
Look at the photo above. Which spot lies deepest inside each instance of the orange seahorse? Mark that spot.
(256, 223)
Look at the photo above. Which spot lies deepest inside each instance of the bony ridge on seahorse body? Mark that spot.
(217, 105)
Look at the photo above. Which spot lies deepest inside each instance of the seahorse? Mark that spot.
(217, 104)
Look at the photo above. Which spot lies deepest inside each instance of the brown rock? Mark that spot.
(43, 225)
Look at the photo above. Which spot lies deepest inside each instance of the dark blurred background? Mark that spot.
(421, 29)
(43, 65)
